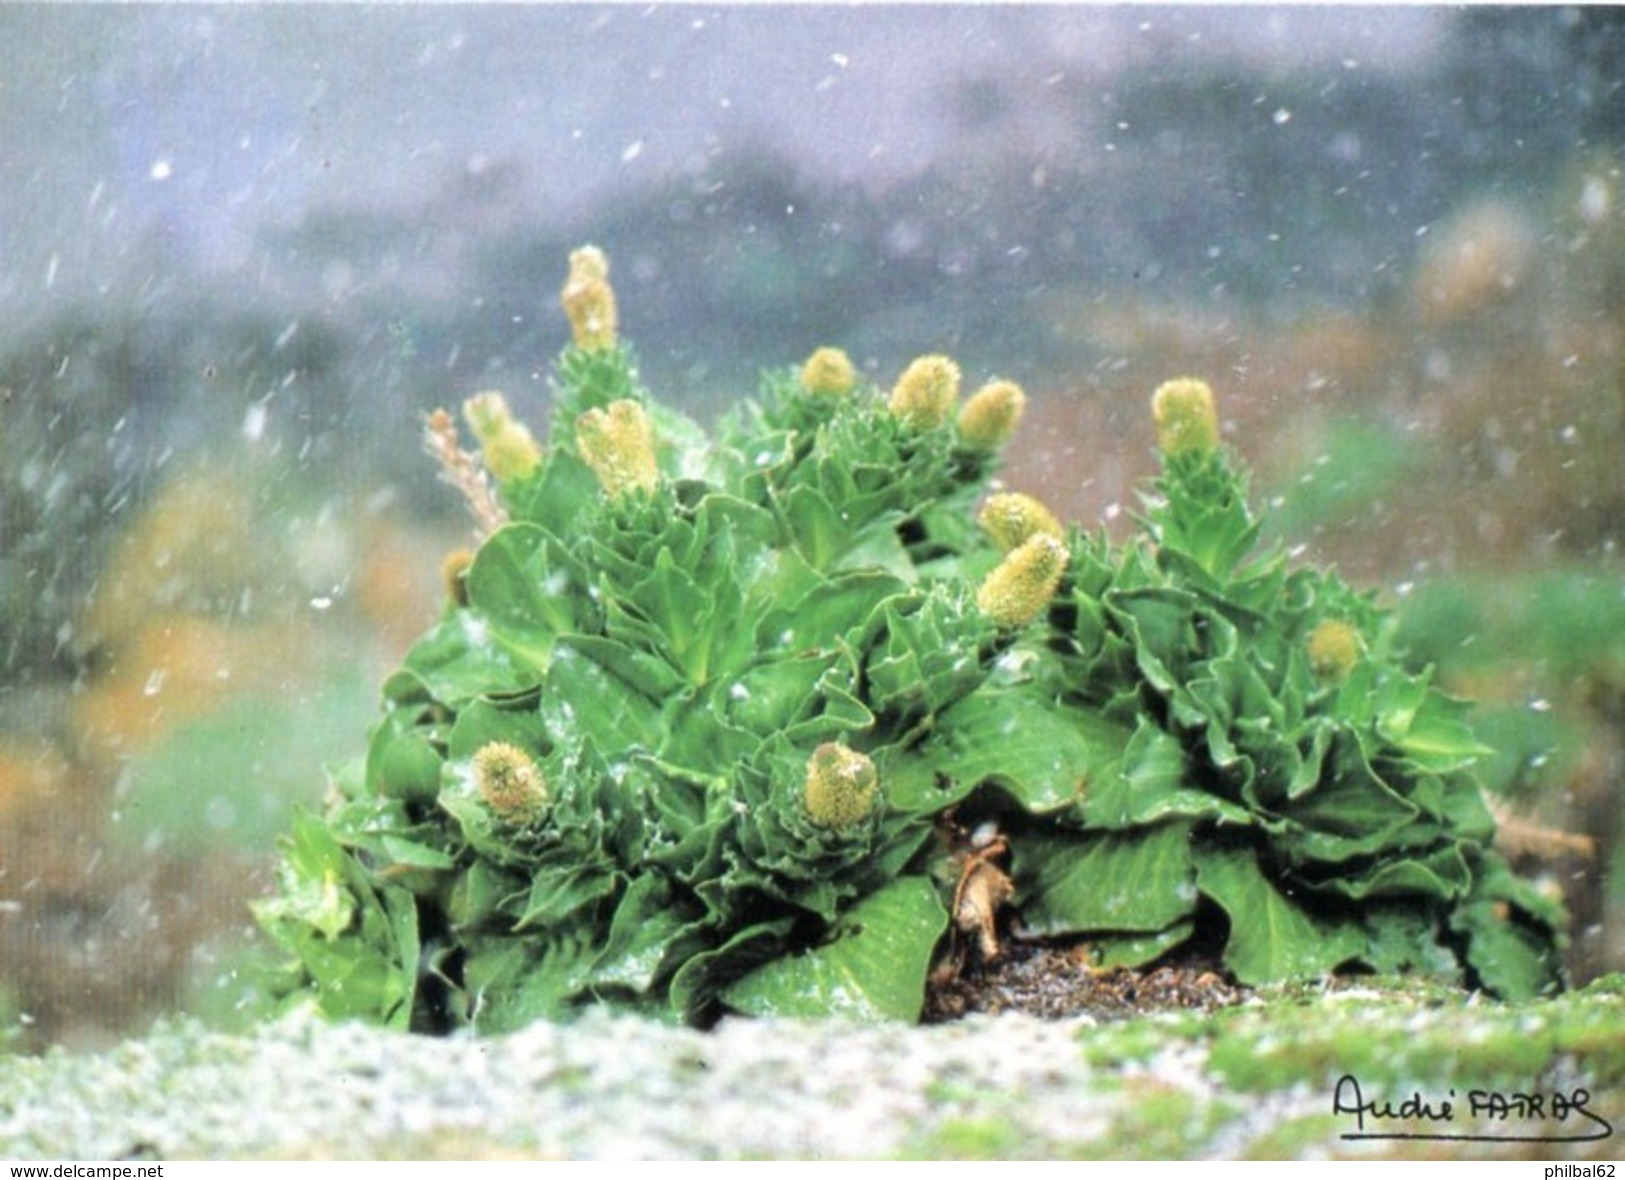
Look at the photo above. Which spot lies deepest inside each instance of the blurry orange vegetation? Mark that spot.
(1502, 360)
(1477, 258)
(398, 587)
(197, 605)
(175, 670)
(202, 601)
(193, 549)
(31, 773)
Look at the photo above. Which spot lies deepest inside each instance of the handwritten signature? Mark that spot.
(1539, 1117)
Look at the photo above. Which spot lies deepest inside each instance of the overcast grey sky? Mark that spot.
(178, 130)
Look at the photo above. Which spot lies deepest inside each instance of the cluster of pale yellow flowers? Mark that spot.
(1334, 648)
(1187, 420)
(1035, 559)
(618, 443)
(925, 396)
(511, 784)
(509, 449)
(842, 786)
(589, 300)
(1010, 518)
(828, 372)
(927, 392)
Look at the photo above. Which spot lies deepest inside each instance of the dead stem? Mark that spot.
(463, 471)
(1516, 836)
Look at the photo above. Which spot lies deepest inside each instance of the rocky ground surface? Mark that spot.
(1253, 1077)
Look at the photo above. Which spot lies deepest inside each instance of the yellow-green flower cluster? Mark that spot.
(618, 443)
(1009, 518)
(1022, 585)
(1334, 649)
(1187, 421)
(842, 786)
(926, 393)
(829, 372)
(511, 783)
(989, 418)
(589, 301)
(508, 447)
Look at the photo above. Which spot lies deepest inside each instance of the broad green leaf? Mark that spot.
(515, 721)
(513, 982)
(683, 613)
(1351, 812)
(1149, 784)
(1401, 938)
(410, 854)
(1047, 758)
(1399, 697)
(557, 496)
(1136, 950)
(582, 698)
(876, 546)
(697, 983)
(815, 524)
(1462, 805)
(400, 761)
(773, 694)
(358, 942)
(652, 675)
(647, 921)
(312, 875)
(1072, 883)
(457, 660)
(558, 891)
(1161, 623)
(1508, 958)
(1271, 937)
(701, 745)
(872, 968)
(480, 893)
(826, 612)
(1439, 740)
(1508, 925)
(1440, 876)
(524, 588)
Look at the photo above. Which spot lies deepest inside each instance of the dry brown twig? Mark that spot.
(465, 472)
(1516, 836)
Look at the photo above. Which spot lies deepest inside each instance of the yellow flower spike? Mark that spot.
(829, 372)
(925, 394)
(842, 786)
(508, 447)
(589, 300)
(990, 417)
(511, 783)
(1334, 649)
(1021, 586)
(1187, 421)
(1009, 518)
(618, 443)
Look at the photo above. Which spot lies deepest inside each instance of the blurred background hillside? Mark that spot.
(245, 249)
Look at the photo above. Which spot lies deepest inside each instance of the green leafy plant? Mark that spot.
(779, 723)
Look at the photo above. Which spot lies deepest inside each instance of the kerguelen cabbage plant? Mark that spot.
(781, 721)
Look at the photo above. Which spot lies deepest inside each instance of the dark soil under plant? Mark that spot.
(1055, 982)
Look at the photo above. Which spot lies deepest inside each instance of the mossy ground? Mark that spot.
(1254, 1080)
